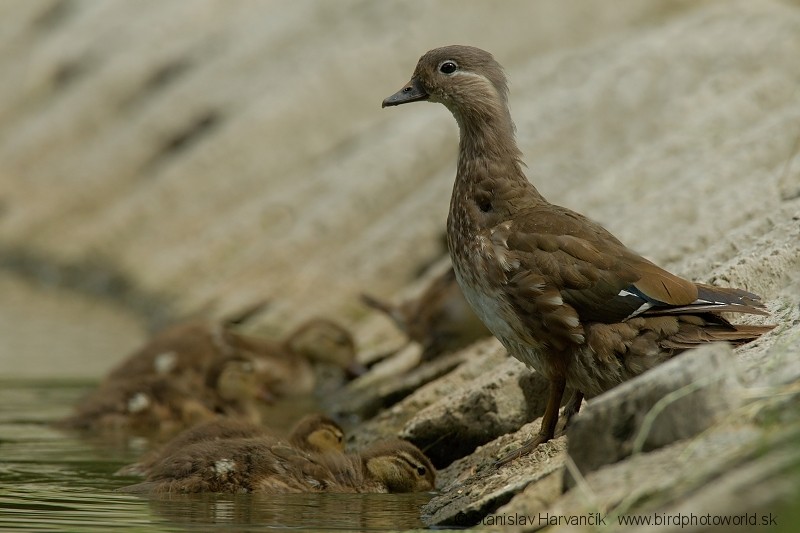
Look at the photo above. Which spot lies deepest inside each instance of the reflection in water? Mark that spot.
(56, 481)
(376, 512)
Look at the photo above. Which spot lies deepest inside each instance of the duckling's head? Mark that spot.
(399, 466)
(235, 379)
(463, 78)
(324, 341)
(317, 433)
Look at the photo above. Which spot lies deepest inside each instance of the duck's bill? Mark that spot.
(412, 92)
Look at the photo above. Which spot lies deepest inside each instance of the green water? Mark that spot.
(57, 481)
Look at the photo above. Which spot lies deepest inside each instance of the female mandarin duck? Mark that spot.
(560, 292)
(313, 433)
(262, 465)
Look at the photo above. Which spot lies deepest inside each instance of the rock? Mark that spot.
(673, 401)
(527, 507)
(749, 492)
(480, 358)
(366, 402)
(473, 487)
(645, 482)
(773, 379)
(777, 365)
(498, 402)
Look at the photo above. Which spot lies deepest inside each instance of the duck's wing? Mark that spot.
(560, 270)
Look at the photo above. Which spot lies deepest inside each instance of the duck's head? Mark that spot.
(399, 466)
(317, 433)
(460, 77)
(235, 379)
(324, 341)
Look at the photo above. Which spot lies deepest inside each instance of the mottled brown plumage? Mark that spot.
(313, 433)
(291, 366)
(260, 465)
(317, 433)
(185, 351)
(558, 290)
(165, 404)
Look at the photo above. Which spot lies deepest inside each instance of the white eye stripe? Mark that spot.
(472, 75)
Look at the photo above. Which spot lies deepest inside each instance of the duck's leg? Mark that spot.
(572, 407)
(549, 419)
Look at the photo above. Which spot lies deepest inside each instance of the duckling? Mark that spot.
(159, 403)
(185, 351)
(440, 319)
(313, 433)
(289, 365)
(260, 465)
(232, 385)
(317, 433)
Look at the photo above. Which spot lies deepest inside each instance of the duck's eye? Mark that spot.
(448, 67)
(421, 470)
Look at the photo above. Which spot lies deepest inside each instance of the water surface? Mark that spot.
(52, 480)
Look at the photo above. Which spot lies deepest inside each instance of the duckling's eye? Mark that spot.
(421, 470)
(448, 67)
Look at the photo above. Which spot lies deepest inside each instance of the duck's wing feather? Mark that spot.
(561, 270)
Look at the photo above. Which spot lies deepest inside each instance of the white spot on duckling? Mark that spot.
(165, 362)
(223, 467)
(138, 402)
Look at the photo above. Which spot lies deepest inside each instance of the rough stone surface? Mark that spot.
(482, 358)
(647, 482)
(366, 401)
(474, 487)
(168, 153)
(749, 490)
(674, 401)
(531, 503)
(496, 403)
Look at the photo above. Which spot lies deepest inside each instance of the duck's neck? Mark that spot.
(488, 149)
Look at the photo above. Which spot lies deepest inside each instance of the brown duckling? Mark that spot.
(317, 433)
(313, 433)
(260, 465)
(185, 351)
(289, 365)
(440, 319)
(160, 403)
(232, 387)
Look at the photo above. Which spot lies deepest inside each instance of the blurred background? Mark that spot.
(166, 158)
